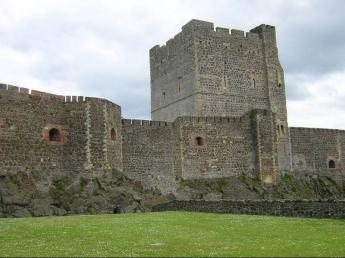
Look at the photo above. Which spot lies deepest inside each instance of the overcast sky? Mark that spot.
(100, 48)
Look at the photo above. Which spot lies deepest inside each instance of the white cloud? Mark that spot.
(324, 105)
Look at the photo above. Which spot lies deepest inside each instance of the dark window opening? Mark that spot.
(54, 135)
(163, 95)
(279, 85)
(199, 141)
(113, 134)
(253, 83)
(282, 129)
(331, 164)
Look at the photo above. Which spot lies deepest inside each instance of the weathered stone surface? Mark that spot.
(223, 134)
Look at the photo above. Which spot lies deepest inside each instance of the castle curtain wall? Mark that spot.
(149, 153)
(313, 149)
(83, 126)
(227, 147)
(24, 134)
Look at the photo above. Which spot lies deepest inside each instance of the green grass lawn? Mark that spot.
(172, 234)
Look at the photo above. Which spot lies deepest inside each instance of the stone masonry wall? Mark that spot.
(26, 120)
(227, 149)
(207, 72)
(318, 208)
(36, 171)
(313, 149)
(84, 124)
(230, 73)
(148, 153)
(275, 86)
(172, 79)
(266, 147)
(158, 154)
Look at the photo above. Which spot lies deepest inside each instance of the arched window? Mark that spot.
(54, 135)
(199, 141)
(331, 164)
(113, 134)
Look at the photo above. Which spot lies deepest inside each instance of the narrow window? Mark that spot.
(113, 134)
(253, 84)
(282, 129)
(331, 164)
(179, 81)
(163, 95)
(199, 141)
(54, 135)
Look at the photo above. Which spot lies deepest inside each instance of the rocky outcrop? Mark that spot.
(22, 195)
(247, 188)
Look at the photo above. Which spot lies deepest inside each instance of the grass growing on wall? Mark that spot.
(172, 234)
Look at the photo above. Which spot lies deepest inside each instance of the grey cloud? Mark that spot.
(313, 39)
(295, 89)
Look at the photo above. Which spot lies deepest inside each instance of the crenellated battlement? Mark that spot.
(21, 91)
(168, 49)
(150, 123)
(205, 119)
(145, 123)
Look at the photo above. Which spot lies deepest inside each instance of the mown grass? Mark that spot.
(172, 234)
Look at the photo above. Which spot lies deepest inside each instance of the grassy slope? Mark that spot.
(171, 233)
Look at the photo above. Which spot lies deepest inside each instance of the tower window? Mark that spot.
(253, 84)
(282, 129)
(113, 134)
(163, 95)
(54, 135)
(199, 141)
(331, 164)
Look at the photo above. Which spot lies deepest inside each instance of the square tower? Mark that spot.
(207, 72)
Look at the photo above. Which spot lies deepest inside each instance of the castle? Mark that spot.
(218, 107)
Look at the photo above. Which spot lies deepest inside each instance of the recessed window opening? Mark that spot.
(331, 164)
(199, 141)
(253, 84)
(282, 129)
(279, 84)
(113, 134)
(54, 135)
(164, 95)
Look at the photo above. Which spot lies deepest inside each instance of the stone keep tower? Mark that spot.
(205, 72)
